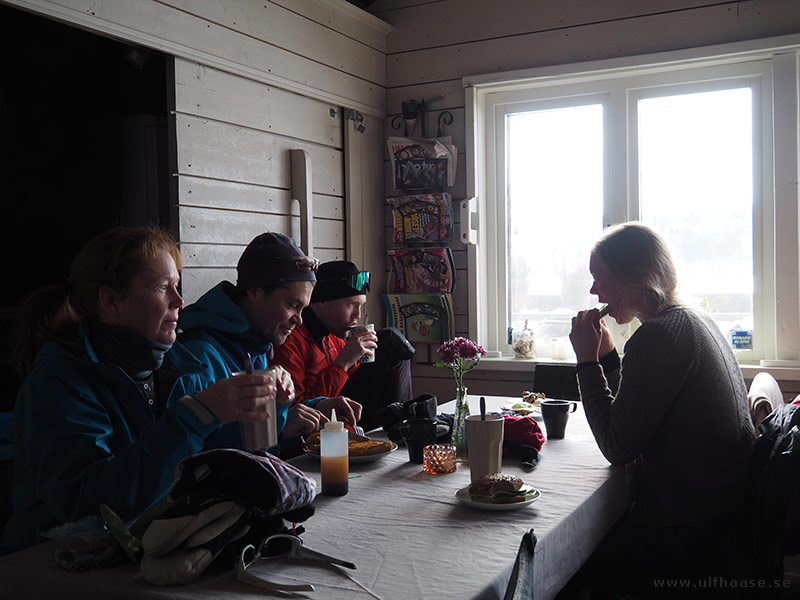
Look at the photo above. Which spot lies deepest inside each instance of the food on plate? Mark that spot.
(356, 445)
(534, 398)
(500, 488)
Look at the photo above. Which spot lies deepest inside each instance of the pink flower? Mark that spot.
(461, 355)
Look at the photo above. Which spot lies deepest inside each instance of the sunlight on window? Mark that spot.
(696, 188)
(555, 208)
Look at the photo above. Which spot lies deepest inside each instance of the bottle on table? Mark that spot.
(333, 457)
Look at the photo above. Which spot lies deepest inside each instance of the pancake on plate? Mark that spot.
(356, 445)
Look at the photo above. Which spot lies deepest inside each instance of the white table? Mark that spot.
(405, 530)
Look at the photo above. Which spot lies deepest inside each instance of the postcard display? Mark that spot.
(421, 265)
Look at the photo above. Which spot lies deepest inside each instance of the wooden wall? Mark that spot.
(234, 175)
(435, 43)
(253, 80)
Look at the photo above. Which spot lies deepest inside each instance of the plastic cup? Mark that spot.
(369, 356)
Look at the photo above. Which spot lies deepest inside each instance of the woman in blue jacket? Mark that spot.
(111, 403)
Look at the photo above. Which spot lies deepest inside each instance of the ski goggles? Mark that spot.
(359, 281)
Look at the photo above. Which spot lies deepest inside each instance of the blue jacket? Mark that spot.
(216, 330)
(83, 435)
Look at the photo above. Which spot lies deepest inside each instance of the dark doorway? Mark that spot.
(83, 148)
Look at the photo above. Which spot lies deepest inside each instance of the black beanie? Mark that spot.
(332, 281)
(271, 259)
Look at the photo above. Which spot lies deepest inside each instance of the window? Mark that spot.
(686, 146)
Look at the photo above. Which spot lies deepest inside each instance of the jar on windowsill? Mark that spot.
(523, 342)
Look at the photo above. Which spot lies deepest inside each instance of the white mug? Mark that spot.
(485, 445)
(369, 356)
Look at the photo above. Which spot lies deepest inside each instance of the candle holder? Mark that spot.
(439, 458)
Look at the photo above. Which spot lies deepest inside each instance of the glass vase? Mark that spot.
(459, 435)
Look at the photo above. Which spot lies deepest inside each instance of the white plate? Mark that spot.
(362, 459)
(536, 411)
(463, 495)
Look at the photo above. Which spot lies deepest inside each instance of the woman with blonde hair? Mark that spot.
(111, 402)
(674, 407)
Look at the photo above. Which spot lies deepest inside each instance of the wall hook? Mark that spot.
(413, 111)
(445, 116)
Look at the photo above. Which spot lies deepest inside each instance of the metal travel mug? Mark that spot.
(259, 435)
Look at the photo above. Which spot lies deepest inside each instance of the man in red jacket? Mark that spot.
(327, 357)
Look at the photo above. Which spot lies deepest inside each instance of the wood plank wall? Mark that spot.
(435, 43)
(253, 80)
(234, 171)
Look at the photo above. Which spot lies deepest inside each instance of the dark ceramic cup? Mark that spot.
(418, 433)
(555, 414)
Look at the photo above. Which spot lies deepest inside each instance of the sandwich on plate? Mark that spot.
(500, 488)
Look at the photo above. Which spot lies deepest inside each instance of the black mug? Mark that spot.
(555, 414)
(418, 433)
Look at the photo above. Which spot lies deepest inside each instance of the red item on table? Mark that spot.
(522, 430)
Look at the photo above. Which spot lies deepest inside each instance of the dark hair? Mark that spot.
(113, 258)
(640, 259)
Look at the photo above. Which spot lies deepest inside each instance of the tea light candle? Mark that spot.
(439, 458)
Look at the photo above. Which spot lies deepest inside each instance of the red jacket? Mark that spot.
(309, 360)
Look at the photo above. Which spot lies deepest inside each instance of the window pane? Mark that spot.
(696, 188)
(555, 209)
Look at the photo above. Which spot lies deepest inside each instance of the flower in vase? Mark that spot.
(461, 355)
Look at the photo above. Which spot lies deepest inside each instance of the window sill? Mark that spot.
(779, 373)
(749, 370)
(506, 363)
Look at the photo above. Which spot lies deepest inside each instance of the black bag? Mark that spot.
(391, 417)
(221, 501)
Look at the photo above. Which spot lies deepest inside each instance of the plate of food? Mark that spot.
(498, 491)
(531, 404)
(359, 448)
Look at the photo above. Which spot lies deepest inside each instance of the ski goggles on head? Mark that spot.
(286, 264)
(359, 281)
(294, 268)
(305, 264)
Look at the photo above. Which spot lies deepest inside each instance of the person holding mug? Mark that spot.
(238, 327)
(675, 408)
(331, 354)
(111, 402)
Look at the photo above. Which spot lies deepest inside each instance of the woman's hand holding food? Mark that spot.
(590, 336)
(607, 343)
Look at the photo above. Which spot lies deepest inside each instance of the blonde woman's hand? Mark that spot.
(587, 334)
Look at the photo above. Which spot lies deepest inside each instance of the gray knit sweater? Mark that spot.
(677, 408)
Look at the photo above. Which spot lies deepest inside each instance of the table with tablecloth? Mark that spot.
(408, 534)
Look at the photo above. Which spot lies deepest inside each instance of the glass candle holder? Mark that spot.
(439, 458)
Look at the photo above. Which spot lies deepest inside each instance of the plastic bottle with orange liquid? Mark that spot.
(333, 457)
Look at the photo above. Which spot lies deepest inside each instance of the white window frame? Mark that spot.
(774, 67)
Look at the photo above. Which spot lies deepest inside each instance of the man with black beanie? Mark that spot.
(326, 353)
(235, 328)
